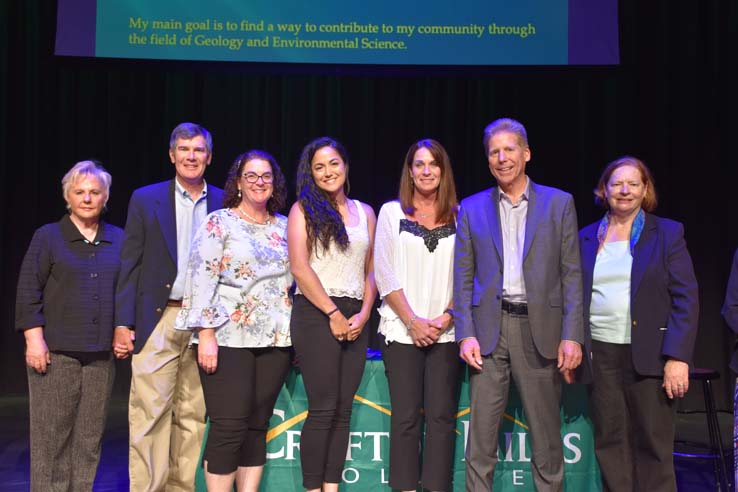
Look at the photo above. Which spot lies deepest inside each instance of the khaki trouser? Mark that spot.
(166, 412)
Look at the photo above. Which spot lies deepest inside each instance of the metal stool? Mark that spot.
(717, 453)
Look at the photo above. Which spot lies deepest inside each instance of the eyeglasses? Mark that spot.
(267, 178)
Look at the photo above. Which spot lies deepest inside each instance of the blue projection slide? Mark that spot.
(382, 32)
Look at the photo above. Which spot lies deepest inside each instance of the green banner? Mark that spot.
(367, 456)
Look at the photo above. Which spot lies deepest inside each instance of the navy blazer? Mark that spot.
(664, 301)
(730, 307)
(149, 257)
(551, 269)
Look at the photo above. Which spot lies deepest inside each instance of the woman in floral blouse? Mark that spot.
(237, 303)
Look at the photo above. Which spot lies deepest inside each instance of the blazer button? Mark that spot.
(168, 286)
(158, 310)
(635, 323)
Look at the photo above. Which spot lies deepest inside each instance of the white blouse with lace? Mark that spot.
(342, 273)
(417, 260)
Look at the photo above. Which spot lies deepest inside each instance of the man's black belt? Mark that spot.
(520, 309)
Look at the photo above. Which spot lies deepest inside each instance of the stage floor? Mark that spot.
(112, 475)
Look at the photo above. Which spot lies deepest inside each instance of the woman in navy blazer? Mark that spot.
(641, 309)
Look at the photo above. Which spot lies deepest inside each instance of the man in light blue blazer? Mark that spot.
(517, 306)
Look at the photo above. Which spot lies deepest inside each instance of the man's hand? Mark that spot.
(568, 375)
(469, 351)
(676, 378)
(569, 357)
(123, 338)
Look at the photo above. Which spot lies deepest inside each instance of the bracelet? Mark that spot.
(449, 311)
(410, 323)
(330, 313)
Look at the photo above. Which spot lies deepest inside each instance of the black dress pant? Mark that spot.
(331, 372)
(422, 378)
(239, 398)
(633, 423)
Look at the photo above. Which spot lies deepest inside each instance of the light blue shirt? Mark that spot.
(609, 309)
(513, 218)
(190, 214)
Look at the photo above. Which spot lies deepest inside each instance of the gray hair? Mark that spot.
(187, 131)
(505, 125)
(86, 168)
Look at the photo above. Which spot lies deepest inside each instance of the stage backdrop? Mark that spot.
(367, 457)
(435, 32)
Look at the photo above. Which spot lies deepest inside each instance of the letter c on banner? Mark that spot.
(280, 453)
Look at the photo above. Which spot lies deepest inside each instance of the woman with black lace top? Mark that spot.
(413, 261)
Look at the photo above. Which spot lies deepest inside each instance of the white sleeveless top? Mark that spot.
(342, 272)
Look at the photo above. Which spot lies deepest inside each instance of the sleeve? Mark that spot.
(201, 305)
(131, 256)
(572, 327)
(681, 326)
(464, 271)
(34, 272)
(384, 252)
(730, 307)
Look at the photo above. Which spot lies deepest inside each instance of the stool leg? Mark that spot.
(716, 440)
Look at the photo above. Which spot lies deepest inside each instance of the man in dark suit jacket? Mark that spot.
(166, 407)
(517, 306)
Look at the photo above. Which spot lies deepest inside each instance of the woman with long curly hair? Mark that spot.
(330, 240)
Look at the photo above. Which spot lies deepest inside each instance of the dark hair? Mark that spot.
(649, 199)
(505, 125)
(322, 219)
(446, 202)
(279, 187)
(187, 131)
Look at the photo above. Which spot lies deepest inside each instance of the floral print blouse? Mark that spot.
(238, 282)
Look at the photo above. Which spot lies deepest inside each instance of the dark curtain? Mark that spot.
(670, 102)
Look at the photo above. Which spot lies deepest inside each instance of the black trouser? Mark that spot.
(331, 372)
(633, 423)
(239, 398)
(425, 378)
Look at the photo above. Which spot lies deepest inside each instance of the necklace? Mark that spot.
(422, 215)
(430, 209)
(267, 221)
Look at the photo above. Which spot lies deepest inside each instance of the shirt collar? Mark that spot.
(70, 233)
(524, 196)
(180, 189)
